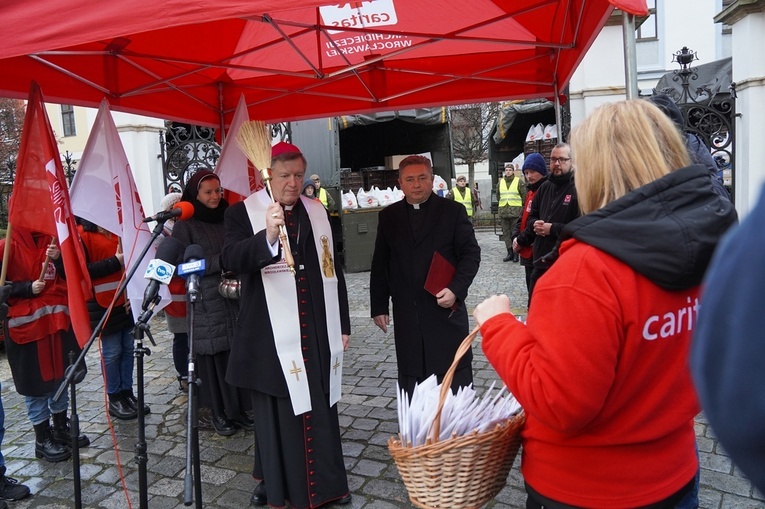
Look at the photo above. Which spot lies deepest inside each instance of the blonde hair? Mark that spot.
(622, 146)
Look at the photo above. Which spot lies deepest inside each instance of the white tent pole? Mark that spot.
(630, 55)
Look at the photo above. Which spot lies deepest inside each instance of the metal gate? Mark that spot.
(186, 149)
(708, 112)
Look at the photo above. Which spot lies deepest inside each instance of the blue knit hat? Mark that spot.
(536, 162)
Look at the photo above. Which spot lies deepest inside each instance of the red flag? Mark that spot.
(40, 202)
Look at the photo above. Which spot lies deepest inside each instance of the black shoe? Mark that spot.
(121, 409)
(46, 447)
(62, 432)
(259, 497)
(223, 426)
(343, 501)
(508, 258)
(10, 488)
(132, 401)
(515, 257)
(245, 422)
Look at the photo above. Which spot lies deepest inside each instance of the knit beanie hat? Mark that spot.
(536, 162)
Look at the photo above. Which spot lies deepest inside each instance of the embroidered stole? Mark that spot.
(282, 304)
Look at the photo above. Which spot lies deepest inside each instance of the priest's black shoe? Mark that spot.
(223, 426)
(119, 408)
(345, 500)
(132, 401)
(244, 422)
(259, 497)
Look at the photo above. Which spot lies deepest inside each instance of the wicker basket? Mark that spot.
(462, 472)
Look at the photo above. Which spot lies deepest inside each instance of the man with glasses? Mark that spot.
(419, 239)
(554, 205)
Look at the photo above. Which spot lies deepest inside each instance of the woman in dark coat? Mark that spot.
(214, 316)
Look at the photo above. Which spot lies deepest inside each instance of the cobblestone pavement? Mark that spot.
(367, 418)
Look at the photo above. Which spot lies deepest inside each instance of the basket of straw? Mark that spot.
(458, 471)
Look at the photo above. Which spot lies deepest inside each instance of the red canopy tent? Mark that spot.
(191, 61)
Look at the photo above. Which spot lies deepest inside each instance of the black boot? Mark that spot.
(10, 488)
(131, 400)
(516, 258)
(46, 446)
(509, 256)
(62, 431)
(120, 408)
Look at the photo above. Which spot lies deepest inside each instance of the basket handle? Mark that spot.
(446, 383)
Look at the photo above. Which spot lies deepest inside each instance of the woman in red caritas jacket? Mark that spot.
(601, 364)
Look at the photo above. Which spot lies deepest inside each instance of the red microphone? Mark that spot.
(182, 210)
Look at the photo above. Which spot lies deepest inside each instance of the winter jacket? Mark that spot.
(600, 366)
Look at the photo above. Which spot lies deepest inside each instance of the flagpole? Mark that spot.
(6, 254)
(47, 260)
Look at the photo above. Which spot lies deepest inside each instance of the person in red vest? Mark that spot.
(175, 312)
(535, 171)
(106, 268)
(39, 338)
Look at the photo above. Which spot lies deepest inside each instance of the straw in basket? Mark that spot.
(460, 472)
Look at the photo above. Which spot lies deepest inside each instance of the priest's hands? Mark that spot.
(274, 219)
(346, 342)
(382, 321)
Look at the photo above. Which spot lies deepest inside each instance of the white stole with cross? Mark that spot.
(282, 304)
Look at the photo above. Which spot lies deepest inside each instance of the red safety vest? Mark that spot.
(101, 247)
(31, 319)
(177, 306)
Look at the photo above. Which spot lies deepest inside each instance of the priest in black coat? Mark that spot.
(429, 327)
(289, 339)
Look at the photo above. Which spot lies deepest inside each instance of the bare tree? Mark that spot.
(11, 123)
(471, 125)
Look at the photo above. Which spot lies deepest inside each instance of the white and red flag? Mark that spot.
(40, 203)
(235, 172)
(104, 192)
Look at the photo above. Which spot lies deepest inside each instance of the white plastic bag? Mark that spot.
(536, 132)
(385, 197)
(551, 132)
(366, 200)
(349, 200)
(518, 161)
(439, 186)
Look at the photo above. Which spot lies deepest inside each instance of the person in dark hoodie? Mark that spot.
(601, 364)
(697, 149)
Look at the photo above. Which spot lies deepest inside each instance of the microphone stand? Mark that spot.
(192, 422)
(141, 457)
(74, 375)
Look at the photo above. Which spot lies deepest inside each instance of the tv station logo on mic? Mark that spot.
(159, 270)
(192, 267)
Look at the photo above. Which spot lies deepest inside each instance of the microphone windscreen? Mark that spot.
(187, 210)
(170, 250)
(193, 252)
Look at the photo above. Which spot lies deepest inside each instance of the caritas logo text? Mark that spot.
(360, 14)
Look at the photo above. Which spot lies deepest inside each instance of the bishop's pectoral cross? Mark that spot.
(296, 371)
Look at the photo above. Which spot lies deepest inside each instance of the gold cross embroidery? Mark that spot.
(337, 365)
(296, 371)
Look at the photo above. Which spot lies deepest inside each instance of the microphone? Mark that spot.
(160, 270)
(192, 267)
(183, 209)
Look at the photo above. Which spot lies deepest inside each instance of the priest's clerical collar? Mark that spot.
(418, 205)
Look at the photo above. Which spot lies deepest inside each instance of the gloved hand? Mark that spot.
(5, 291)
